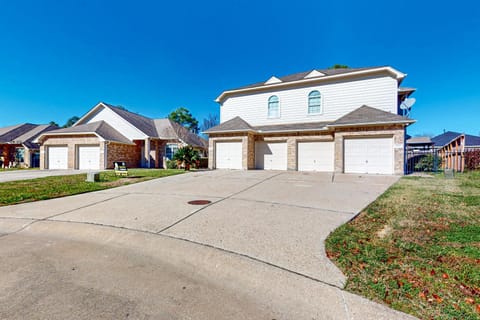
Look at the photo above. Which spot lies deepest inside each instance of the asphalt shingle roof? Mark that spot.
(13, 132)
(144, 124)
(170, 130)
(302, 75)
(101, 128)
(362, 115)
(235, 124)
(369, 115)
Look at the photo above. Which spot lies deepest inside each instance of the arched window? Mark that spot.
(314, 102)
(273, 107)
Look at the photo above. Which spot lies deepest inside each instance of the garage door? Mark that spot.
(271, 155)
(88, 157)
(57, 157)
(315, 156)
(228, 155)
(373, 155)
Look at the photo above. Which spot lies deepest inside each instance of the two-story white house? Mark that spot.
(334, 120)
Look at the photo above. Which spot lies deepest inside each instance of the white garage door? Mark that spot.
(315, 156)
(57, 157)
(373, 155)
(228, 155)
(88, 157)
(271, 155)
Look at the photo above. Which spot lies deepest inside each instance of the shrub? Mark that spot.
(172, 164)
(472, 159)
(186, 156)
(428, 162)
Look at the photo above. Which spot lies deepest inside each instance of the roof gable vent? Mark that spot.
(314, 74)
(273, 80)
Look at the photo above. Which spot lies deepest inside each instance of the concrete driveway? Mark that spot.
(13, 175)
(141, 251)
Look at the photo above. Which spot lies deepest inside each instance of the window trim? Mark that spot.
(320, 105)
(278, 107)
(167, 146)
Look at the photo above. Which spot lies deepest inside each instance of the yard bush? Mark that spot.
(472, 159)
(172, 164)
(429, 162)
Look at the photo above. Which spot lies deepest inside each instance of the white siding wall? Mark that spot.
(338, 99)
(117, 122)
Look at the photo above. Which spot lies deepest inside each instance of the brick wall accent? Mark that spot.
(397, 132)
(131, 154)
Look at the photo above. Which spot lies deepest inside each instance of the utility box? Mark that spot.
(449, 173)
(93, 177)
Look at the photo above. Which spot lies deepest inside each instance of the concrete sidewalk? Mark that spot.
(27, 174)
(258, 246)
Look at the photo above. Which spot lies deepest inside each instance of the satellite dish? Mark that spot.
(406, 105)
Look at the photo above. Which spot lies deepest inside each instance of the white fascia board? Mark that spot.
(394, 72)
(97, 106)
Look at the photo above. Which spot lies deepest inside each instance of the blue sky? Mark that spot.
(59, 58)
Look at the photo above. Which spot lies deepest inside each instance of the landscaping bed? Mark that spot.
(417, 248)
(14, 192)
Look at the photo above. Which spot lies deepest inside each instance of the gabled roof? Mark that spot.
(142, 123)
(99, 128)
(316, 75)
(170, 130)
(24, 134)
(11, 133)
(236, 124)
(447, 137)
(366, 115)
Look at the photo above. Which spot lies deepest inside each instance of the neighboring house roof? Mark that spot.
(447, 137)
(153, 128)
(99, 128)
(24, 134)
(366, 115)
(419, 140)
(311, 76)
(14, 132)
(170, 130)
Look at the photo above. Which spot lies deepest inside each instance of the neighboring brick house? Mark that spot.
(335, 120)
(17, 146)
(107, 134)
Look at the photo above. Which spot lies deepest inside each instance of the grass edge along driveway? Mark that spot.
(417, 247)
(14, 192)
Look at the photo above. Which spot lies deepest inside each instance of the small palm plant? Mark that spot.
(186, 156)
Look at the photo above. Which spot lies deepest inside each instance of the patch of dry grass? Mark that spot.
(417, 248)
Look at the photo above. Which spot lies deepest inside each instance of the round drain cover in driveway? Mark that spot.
(199, 202)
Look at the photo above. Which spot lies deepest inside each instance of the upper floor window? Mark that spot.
(314, 102)
(273, 107)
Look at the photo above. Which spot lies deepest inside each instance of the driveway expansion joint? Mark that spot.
(220, 200)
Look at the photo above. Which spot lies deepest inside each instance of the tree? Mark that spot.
(209, 122)
(183, 117)
(339, 66)
(71, 121)
(53, 123)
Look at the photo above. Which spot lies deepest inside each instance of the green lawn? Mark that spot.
(53, 187)
(417, 248)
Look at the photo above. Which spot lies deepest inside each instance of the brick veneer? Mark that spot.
(248, 144)
(123, 152)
